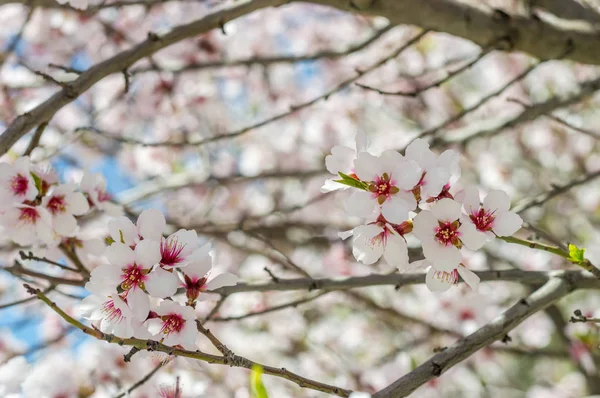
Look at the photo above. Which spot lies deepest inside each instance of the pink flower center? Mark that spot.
(133, 276)
(172, 323)
(113, 314)
(383, 188)
(447, 233)
(19, 185)
(193, 287)
(103, 196)
(57, 204)
(29, 215)
(170, 250)
(483, 219)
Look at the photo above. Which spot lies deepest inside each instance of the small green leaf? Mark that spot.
(352, 182)
(38, 183)
(256, 385)
(576, 255)
(109, 240)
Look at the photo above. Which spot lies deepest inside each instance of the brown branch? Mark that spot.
(553, 290)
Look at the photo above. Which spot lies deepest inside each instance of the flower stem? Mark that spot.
(585, 264)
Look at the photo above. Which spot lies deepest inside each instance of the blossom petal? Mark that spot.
(396, 251)
(438, 281)
(469, 277)
(78, 204)
(407, 174)
(161, 283)
(496, 200)
(395, 210)
(424, 225)
(366, 166)
(346, 234)
(147, 253)
(443, 258)
(330, 186)
(361, 204)
(122, 230)
(419, 151)
(224, 279)
(362, 142)
(506, 223)
(469, 197)
(340, 160)
(471, 237)
(367, 249)
(120, 255)
(139, 303)
(446, 210)
(434, 181)
(151, 224)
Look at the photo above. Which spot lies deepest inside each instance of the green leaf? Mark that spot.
(38, 183)
(352, 182)
(576, 255)
(256, 385)
(109, 240)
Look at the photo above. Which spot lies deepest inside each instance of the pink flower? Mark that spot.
(342, 160)
(149, 226)
(63, 203)
(94, 186)
(27, 225)
(174, 324)
(16, 183)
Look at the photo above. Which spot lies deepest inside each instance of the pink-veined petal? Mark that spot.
(438, 281)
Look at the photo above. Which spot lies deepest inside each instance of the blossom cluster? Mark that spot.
(36, 210)
(399, 194)
(133, 295)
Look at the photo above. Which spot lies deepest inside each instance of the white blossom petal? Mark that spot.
(224, 279)
(446, 210)
(120, 255)
(424, 226)
(469, 277)
(443, 258)
(366, 166)
(161, 283)
(361, 204)
(396, 251)
(471, 237)
(419, 151)
(139, 303)
(438, 281)
(496, 200)
(395, 210)
(407, 174)
(506, 223)
(151, 224)
(469, 198)
(147, 253)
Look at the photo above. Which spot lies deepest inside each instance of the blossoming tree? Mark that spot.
(270, 198)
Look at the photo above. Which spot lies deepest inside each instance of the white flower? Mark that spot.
(16, 183)
(379, 238)
(436, 171)
(491, 218)
(197, 276)
(108, 309)
(360, 395)
(26, 224)
(149, 226)
(390, 177)
(442, 235)
(178, 247)
(94, 186)
(440, 281)
(64, 203)
(129, 269)
(174, 324)
(12, 374)
(342, 160)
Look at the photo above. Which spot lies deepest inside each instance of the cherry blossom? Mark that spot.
(197, 276)
(390, 177)
(94, 186)
(442, 235)
(380, 238)
(12, 374)
(437, 171)
(16, 183)
(174, 324)
(440, 281)
(63, 203)
(493, 217)
(27, 225)
(129, 269)
(341, 160)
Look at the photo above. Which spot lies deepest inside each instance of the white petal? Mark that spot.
(122, 227)
(106, 274)
(407, 174)
(198, 268)
(361, 204)
(94, 246)
(449, 160)
(340, 160)
(419, 151)
(161, 283)
(368, 231)
(424, 226)
(65, 224)
(120, 255)
(396, 252)
(362, 142)
(469, 277)
(91, 307)
(471, 237)
(139, 303)
(147, 253)
(367, 249)
(496, 200)
(366, 166)
(443, 258)
(506, 223)
(395, 210)
(151, 224)
(446, 210)
(224, 279)
(469, 197)
(390, 160)
(78, 204)
(330, 186)
(346, 234)
(437, 281)
(434, 181)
